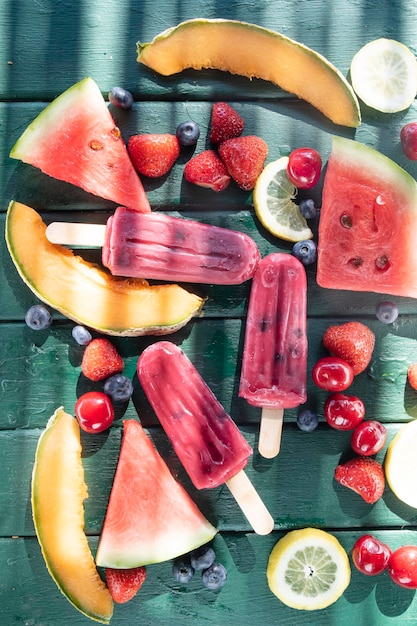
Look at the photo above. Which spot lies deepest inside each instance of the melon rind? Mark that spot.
(375, 166)
(255, 52)
(382, 197)
(85, 293)
(58, 492)
(150, 517)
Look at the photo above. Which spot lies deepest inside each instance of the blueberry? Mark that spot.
(81, 335)
(215, 576)
(120, 98)
(305, 251)
(202, 558)
(308, 209)
(386, 312)
(119, 388)
(307, 420)
(38, 317)
(182, 570)
(188, 133)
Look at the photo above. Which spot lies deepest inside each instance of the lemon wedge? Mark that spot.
(384, 75)
(308, 569)
(401, 464)
(273, 199)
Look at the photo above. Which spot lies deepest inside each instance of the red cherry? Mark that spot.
(368, 438)
(402, 567)
(408, 136)
(304, 167)
(370, 555)
(332, 374)
(343, 412)
(94, 411)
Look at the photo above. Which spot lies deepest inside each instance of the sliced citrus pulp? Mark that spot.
(308, 569)
(384, 75)
(273, 199)
(401, 464)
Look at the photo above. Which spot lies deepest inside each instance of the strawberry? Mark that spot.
(153, 155)
(412, 375)
(101, 360)
(363, 475)
(124, 584)
(207, 170)
(225, 123)
(244, 158)
(353, 342)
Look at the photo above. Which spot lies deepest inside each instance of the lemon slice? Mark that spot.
(401, 464)
(273, 199)
(308, 569)
(384, 75)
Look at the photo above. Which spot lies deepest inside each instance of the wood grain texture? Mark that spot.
(297, 486)
(68, 40)
(49, 45)
(245, 598)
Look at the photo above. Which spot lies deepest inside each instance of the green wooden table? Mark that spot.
(46, 47)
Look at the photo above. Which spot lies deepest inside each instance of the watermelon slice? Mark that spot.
(75, 139)
(150, 517)
(368, 223)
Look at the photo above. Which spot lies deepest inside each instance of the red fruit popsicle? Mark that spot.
(162, 247)
(274, 364)
(204, 437)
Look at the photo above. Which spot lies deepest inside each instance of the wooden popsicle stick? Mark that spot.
(270, 432)
(251, 504)
(76, 235)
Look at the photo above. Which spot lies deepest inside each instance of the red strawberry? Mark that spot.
(124, 584)
(101, 360)
(353, 342)
(225, 123)
(244, 158)
(363, 475)
(412, 375)
(153, 155)
(207, 170)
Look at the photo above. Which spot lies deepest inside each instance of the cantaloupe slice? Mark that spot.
(87, 294)
(256, 52)
(58, 492)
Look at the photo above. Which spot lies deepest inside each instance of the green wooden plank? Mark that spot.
(297, 486)
(29, 185)
(74, 39)
(222, 301)
(41, 370)
(284, 127)
(28, 594)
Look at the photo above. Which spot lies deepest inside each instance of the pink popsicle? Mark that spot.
(204, 437)
(274, 364)
(162, 247)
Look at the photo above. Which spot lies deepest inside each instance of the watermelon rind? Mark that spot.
(376, 166)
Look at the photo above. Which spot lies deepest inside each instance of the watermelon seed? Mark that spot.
(382, 263)
(346, 221)
(96, 145)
